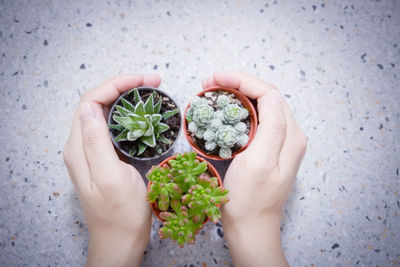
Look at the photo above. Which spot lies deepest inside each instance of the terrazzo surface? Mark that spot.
(336, 62)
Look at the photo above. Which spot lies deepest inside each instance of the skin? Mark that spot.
(112, 193)
(258, 191)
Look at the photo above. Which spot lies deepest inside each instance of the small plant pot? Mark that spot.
(252, 120)
(213, 172)
(173, 122)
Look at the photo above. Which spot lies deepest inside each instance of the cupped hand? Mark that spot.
(112, 192)
(260, 178)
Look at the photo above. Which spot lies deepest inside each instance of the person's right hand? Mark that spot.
(112, 193)
(261, 177)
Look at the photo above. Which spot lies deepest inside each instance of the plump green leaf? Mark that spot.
(155, 119)
(123, 111)
(139, 108)
(128, 105)
(136, 96)
(157, 107)
(200, 168)
(168, 114)
(149, 105)
(122, 136)
(142, 148)
(149, 140)
(160, 128)
(118, 127)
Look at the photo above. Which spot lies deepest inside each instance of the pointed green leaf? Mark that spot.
(124, 121)
(157, 107)
(155, 119)
(136, 96)
(149, 140)
(150, 130)
(122, 136)
(164, 140)
(123, 111)
(132, 152)
(168, 114)
(160, 128)
(149, 105)
(135, 134)
(128, 105)
(139, 108)
(118, 127)
(142, 148)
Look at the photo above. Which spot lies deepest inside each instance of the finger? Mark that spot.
(106, 93)
(208, 82)
(293, 150)
(97, 145)
(246, 83)
(267, 144)
(78, 169)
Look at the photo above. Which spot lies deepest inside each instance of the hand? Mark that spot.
(112, 193)
(260, 178)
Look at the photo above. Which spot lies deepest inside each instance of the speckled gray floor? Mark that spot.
(336, 62)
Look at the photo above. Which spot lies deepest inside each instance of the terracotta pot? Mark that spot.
(122, 152)
(252, 117)
(211, 169)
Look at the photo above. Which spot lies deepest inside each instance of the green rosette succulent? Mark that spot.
(141, 122)
(186, 196)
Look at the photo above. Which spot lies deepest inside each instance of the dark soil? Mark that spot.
(174, 124)
(212, 101)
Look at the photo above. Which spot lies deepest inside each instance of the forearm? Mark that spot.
(255, 243)
(115, 249)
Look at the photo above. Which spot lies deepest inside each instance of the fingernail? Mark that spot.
(87, 111)
(274, 98)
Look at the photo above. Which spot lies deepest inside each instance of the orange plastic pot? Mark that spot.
(211, 169)
(252, 116)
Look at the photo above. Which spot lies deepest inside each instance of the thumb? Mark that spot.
(271, 130)
(99, 150)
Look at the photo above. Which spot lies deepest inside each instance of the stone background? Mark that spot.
(336, 62)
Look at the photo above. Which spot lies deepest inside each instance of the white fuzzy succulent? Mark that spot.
(222, 101)
(208, 135)
(223, 127)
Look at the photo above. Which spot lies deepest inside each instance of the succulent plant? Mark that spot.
(219, 125)
(141, 122)
(186, 195)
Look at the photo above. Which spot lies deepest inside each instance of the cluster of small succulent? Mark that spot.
(186, 195)
(140, 122)
(223, 127)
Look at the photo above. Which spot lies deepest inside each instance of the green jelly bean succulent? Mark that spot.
(220, 125)
(186, 196)
(141, 122)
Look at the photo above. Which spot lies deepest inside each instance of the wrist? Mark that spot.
(255, 241)
(113, 247)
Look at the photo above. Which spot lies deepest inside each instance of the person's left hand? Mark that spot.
(112, 193)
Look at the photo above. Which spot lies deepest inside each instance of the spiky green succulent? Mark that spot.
(186, 195)
(141, 122)
(221, 126)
